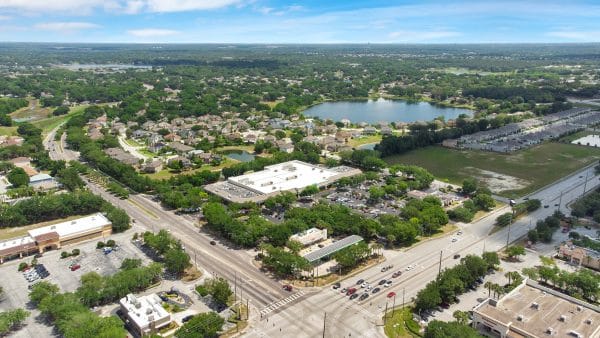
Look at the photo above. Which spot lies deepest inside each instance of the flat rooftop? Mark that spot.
(287, 176)
(534, 309)
(73, 227)
(284, 176)
(144, 310)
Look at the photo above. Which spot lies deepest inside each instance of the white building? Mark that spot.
(310, 236)
(288, 176)
(144, 314)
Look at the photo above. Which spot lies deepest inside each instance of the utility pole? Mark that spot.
(403, 289)
(508, 235)
(247, 308)
(324, 321)
(440, 267)
(235, 285)
(560, 199)
(394, 306)
(385, 313)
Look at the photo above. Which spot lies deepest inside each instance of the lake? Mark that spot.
(382, 110)
(239, 155)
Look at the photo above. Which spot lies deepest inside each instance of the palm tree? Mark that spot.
(508, 275)
(488, 285)
(500, 290)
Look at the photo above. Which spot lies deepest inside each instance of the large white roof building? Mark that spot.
(145, 314)
(287, 176)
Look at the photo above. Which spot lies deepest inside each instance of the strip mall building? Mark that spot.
(56, 236)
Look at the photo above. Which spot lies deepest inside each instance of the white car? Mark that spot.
(388, 283)
(459, 232)
(454, 239)
(364, 285)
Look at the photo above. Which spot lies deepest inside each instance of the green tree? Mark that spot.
(11, 319)
(469, 186)
(130, 263)
(42, 290)
(17, 177)
(514, 251)
(504, 219)
(176, 260)
(491, 258)
(204, 325)
(484, 201)
(219, 290)
(352, 256)
(462, 317)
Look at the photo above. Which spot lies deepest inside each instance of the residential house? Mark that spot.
(180, 148)
(153, 167)
(185, 162)
(122, 156)
(43, 182)
(369, 130)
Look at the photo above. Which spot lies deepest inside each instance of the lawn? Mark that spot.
(355, 142)
(52, 122)
(401, 324)
(8, 131)
(537, 166)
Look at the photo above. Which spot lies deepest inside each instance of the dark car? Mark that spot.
(456, 256)
(397, 274)
(375, 290)
(288, 287)
(353, 296)
(364, 296)
(187, 318)
(336, 286)
(360, 281)
(213, 243)
(381, 282)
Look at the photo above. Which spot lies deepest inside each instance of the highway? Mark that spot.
(303, 314)
(214, 259)
(363, 319)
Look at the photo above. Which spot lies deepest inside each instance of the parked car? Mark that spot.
(187, 318)
(350, 291)
(456, 256)
(375, 290)
(354, 295)
(388, 283)
(381, 282)
(213, 243)
(364, 285)
(336, 285)
(391, 294)
(397, 274)
(288, 287)
(363, 296)
(360, 281)
(344, 290)
(75, 267)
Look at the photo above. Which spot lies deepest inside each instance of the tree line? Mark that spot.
(50, 207)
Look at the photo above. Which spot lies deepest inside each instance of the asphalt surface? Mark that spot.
(304, 316)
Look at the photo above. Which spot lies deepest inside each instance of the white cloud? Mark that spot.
(86, 7)
(162, 6)
(66, 26)
(5, 18)
(152, 32)
(587, 36)
(418, 36)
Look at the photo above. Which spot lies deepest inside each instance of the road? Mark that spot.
(218, 260)
(303, 314)
(362, 319)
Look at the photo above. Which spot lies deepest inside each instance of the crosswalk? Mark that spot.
(276, 305)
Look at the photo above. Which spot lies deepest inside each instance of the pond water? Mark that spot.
(382, 110)
(239, 155)
(368, 146)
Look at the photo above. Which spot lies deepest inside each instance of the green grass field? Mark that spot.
(8, 131)
(401, 324)
(538, 166)
(52, 122)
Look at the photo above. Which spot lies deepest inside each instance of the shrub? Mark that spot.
(22, 266)
(111, 243)
(202, 290)
(504, 219)
(64, 254)
(75, 252)
(100, 245)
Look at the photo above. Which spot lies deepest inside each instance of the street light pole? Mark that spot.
(440, 267)
(324, 321)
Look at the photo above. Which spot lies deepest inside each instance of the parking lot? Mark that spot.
(16, 285)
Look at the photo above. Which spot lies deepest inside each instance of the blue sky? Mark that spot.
(309, 21)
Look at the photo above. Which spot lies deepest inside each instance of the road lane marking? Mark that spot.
(274, 306)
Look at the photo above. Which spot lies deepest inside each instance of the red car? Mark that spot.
(397, 274)
(75, 267)
(287, 287)
(350, 291)
(391, 294)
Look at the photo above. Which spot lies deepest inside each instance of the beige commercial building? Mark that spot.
(144, 315)
(534, 311)
(55, 236)
(580, 256)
